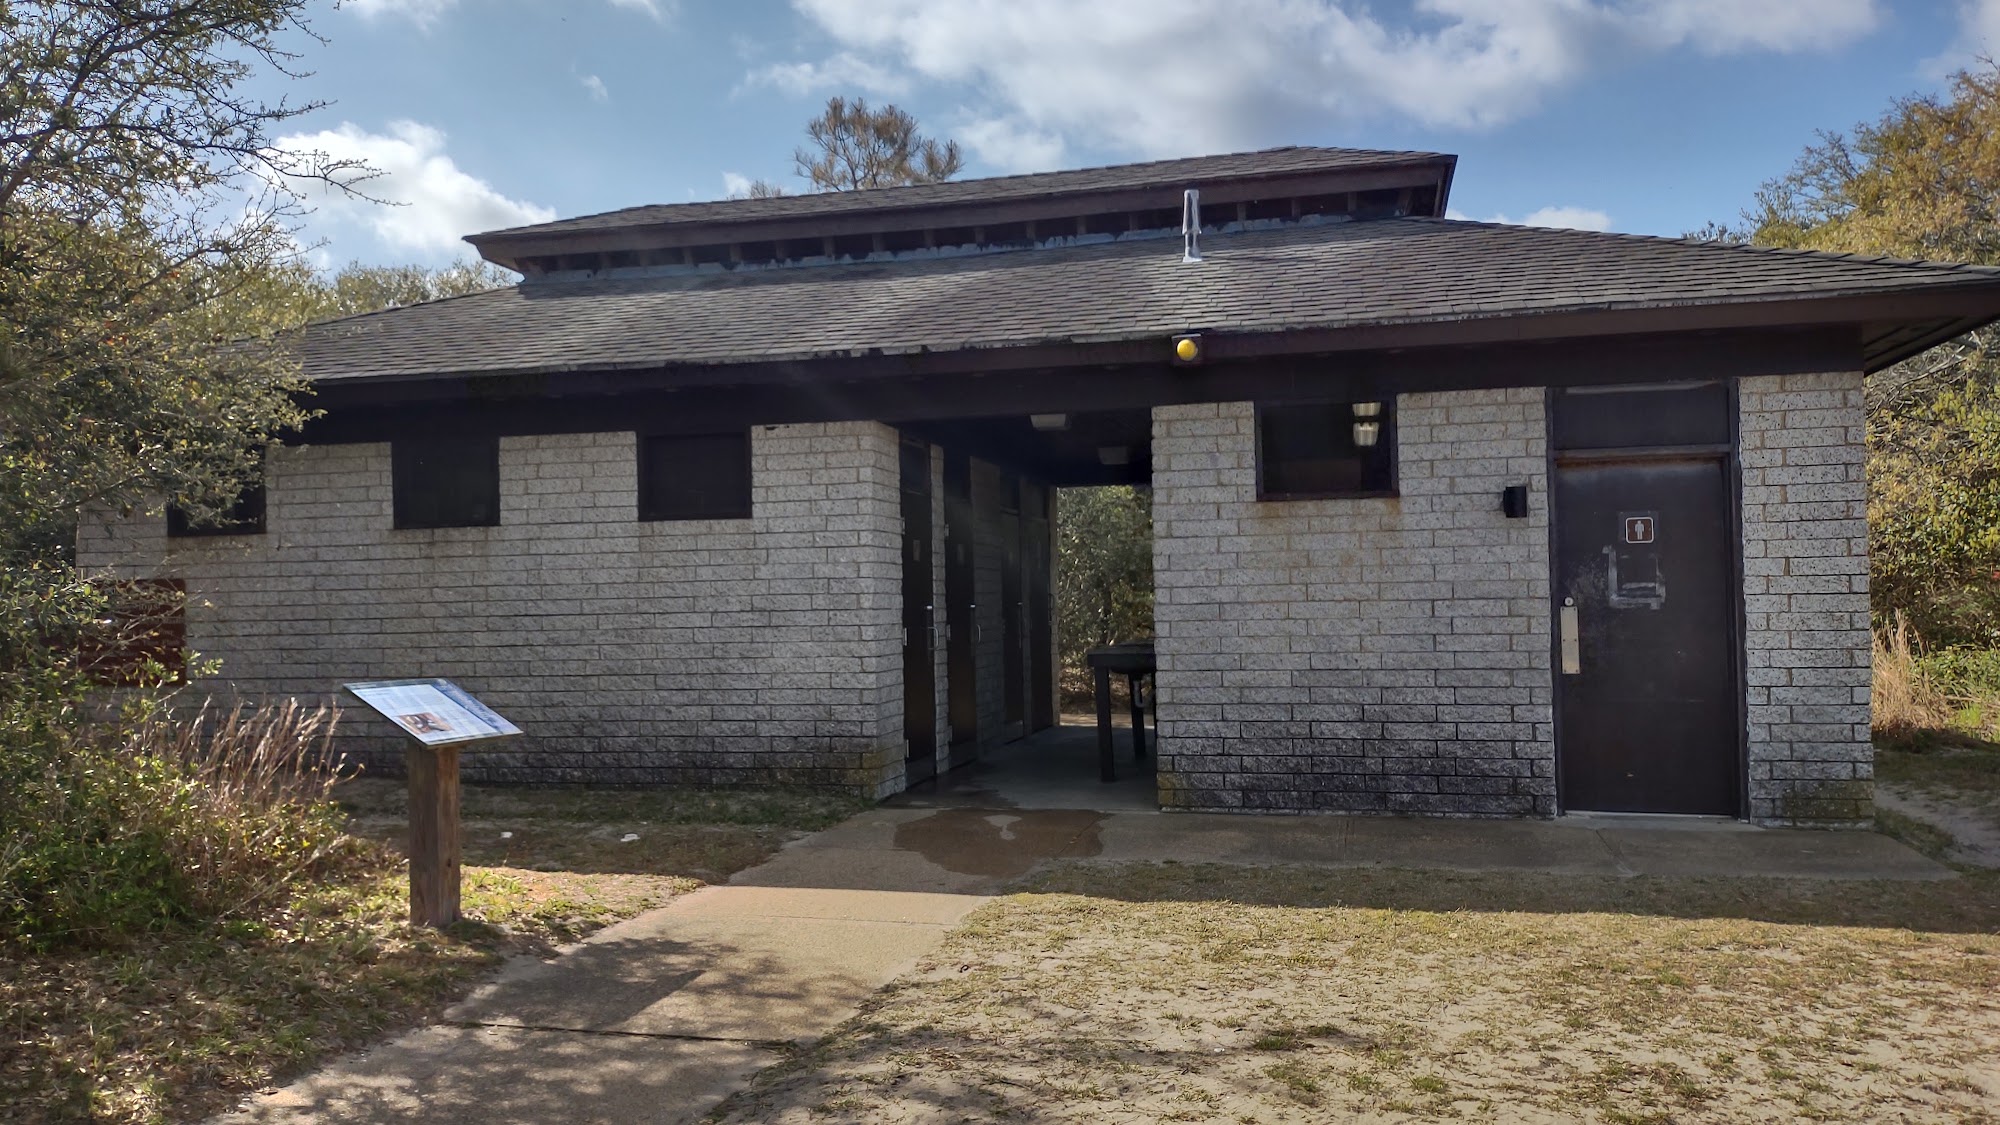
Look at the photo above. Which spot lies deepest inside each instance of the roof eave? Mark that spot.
(1965, 307)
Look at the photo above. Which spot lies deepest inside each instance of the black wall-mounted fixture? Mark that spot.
(1514, 501)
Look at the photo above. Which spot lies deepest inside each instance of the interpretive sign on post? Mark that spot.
(441, 719)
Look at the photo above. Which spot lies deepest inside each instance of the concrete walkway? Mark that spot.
(659, 1018)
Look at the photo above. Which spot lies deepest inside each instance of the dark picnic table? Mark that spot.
(1133, 660)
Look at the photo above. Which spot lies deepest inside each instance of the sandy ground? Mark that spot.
(1178, 993)
(1975, 834)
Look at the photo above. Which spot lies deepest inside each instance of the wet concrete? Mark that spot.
(1001, 845)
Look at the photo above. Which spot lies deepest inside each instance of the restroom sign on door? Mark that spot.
(1639, 529)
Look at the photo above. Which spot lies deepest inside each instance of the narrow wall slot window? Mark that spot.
(446, 481)
(245, 516)
(694, 476)
(1317, 450)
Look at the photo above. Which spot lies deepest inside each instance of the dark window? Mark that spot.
(446, 481)
(694, 476)
(1648, 416)
(1342, 449)
(141, 636)
(244, 517)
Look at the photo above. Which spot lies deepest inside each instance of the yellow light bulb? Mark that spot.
(1187, 349)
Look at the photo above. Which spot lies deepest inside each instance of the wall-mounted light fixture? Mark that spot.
(1367, 430)
(1187, 349)
(1049, 423)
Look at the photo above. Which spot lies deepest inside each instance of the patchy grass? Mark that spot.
(1170, 992)
(186, 1022)
(1968, 778)
(706, 834)
(1925, 837)
(798, 809)
(1945, 803)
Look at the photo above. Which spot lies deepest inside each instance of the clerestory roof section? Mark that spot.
(1188, 171)
(1225, 180)
(1294, 289)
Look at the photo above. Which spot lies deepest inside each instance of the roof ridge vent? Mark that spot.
(1191, 225)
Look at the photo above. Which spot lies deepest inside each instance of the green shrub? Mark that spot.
(1104, 569)
(1970, 674)
(117, 828)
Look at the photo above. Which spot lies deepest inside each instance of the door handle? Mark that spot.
(1572, 646)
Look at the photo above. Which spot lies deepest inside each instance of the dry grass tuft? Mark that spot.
(1909, 710)
(252, 802)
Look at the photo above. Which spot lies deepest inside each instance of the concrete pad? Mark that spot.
(860, 869)
(762, 979)
(1356, 841)
(875, 828)
(1479, 845)
(499, 1076)
(1788, 853)
(1224, 838)
(714, 903)
(1595, 845)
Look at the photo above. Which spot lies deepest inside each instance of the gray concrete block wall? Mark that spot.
(724, 651)
(1369, 655)
(941, 650)
(988, 566)
(1805, 564)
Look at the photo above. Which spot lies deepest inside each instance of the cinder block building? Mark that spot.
(1450, 517)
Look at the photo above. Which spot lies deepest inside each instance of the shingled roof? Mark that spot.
(1187, 172)
(1336, 281)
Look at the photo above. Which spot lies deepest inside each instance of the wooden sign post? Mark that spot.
(441, 719)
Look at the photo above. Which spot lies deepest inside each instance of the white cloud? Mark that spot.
(1981, 20)
(424, 13)
(1010, 145)
(1568, 218)
(844, 71)
(1564, 218)
(598, 91)
(439, 203)
(1161, 77)
(1720, 27)
(653, 8)
(735, 185)
(1978, 38)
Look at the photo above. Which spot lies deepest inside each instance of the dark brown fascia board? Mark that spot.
(946, 400)
(508, 249)
(1877, 358)
(1971, 305)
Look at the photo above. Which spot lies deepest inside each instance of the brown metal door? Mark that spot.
(960, 538)
(1646, 651)
(919, 616)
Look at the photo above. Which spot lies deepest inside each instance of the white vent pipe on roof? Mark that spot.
(1191, 226)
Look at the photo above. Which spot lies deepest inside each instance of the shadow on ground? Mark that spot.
(1969, 904)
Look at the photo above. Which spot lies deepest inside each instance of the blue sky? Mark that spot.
(1651, 116)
